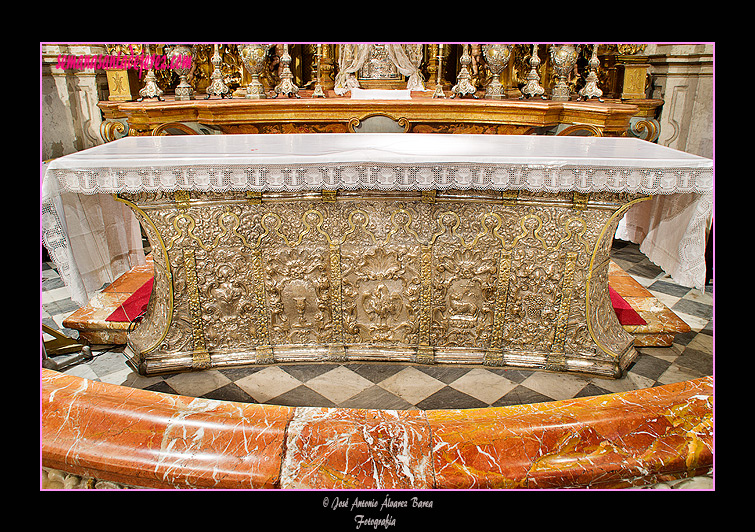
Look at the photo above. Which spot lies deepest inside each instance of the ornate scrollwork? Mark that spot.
(163, 129)
(380, 292)
(111, 130)
(645, 128)
(514, 280)
(584, 129)
(355, 123)
(227, 291)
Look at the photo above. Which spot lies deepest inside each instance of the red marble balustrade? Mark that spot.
(154, 440)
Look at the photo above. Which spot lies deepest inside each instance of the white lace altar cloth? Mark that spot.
(387, 161)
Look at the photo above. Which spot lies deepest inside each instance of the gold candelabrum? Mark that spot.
(557, 72)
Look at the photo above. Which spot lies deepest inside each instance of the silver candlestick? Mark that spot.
(217, 85)
(438, 83)
(532, 87)
(463, 85)
(591, 89)
(286, 85)
(318, 92)
(150, 89)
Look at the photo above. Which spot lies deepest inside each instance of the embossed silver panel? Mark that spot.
(516, 279)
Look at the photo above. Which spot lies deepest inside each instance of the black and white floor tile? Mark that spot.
(397, 386)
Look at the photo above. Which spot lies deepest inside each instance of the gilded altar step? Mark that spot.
(91, 320)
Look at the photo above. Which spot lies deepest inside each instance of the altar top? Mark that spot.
(383, 161)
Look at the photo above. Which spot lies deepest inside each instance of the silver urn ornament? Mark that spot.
(254, 56)
(564, 58)
(182, 67)
(497, 57)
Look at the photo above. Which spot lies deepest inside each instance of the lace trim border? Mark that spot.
(292, 178)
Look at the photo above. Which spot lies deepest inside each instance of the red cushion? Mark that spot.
(133, 308)
(626, 314)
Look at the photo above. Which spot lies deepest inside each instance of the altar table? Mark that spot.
(458, 249)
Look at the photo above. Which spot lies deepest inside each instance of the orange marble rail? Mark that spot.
(148, 439)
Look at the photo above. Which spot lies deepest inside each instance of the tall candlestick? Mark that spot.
(591, 89)
(463, 84)
(286, 85)
(532, 87)
(319, 93)
(439, 77)
(150, 89)
(217, 85)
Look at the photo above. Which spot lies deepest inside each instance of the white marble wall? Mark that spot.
(70, 116)
(682, 75)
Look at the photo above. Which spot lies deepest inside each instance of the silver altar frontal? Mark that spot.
(412, 248)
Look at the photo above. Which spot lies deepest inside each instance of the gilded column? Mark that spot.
(337, 349)
(494, 356)
(264, 349)
(200, 357)
(556, 360)
(425, 352)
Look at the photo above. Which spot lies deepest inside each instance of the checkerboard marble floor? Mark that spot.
(397, 386)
